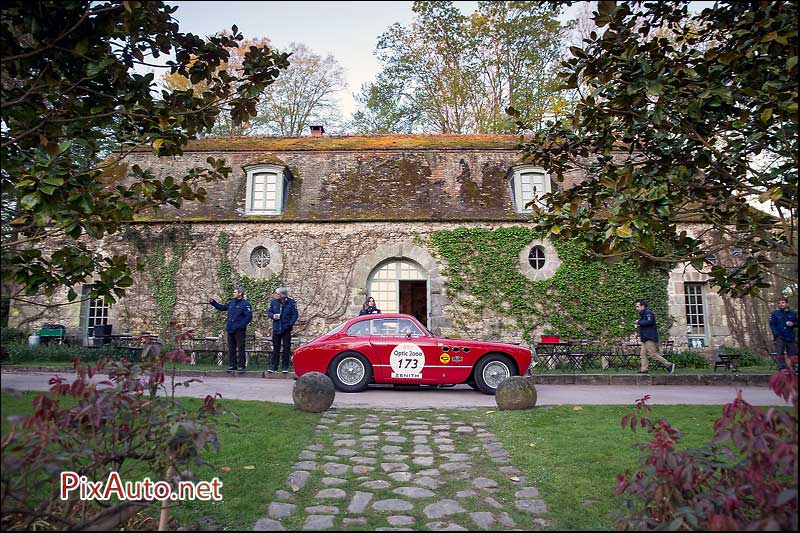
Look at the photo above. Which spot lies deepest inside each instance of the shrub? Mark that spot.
(744, 479)
(13, 335)
(52, 353)
(21, 352)
(689, 359)
(129, 423)
(747, 357)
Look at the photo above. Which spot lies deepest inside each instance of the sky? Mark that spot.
(346, 30)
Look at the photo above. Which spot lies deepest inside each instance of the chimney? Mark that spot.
(317, 131)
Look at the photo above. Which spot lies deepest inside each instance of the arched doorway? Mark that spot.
(400, 286)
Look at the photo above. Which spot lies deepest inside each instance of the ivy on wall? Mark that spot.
(163, 273)
(163, 254)
(585, 299)
(257, 291)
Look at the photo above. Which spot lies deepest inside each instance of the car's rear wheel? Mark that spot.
(492, 370)
(350, 372)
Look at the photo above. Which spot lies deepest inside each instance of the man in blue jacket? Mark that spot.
(283, 312)
(648, 333)
(783, 322)
(240, 313)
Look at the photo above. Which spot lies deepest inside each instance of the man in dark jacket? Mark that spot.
(648, 333)
(283, 312)
(240, 313)
(783, 322)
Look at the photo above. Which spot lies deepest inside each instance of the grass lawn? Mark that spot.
(269, 437)
(573, 456)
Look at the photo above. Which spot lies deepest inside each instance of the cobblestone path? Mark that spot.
(404, 470)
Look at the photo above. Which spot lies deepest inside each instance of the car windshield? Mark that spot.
(337, 329)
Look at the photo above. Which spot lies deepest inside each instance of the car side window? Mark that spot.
(359, 329)
(394, 327)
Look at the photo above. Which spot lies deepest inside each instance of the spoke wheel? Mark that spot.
(350, 372)
(492, 370)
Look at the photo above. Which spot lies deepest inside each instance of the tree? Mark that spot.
(457, 74)
(381, 109)
(233, 65)
(682, 119)
(304, 95)
(70, 93)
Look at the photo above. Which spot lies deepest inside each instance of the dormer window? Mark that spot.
(529, 184)
(267, 188)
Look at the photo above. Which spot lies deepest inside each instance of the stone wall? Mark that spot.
(326, 267)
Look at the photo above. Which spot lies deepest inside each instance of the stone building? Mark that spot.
(338, 218)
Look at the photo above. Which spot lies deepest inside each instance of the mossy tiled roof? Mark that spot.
(354, 142)
(359, 177)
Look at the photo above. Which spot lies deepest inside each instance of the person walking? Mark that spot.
(283, 312)
(369, 307)
(783, 322)
(240, 313)
(648, 334)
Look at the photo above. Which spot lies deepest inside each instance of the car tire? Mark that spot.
(350, 372)
(492, 370)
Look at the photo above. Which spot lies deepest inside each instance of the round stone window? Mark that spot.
(260, 257)
(539, 260)
(536, 257)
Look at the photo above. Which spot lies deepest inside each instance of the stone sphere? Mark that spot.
(313, 392)
(515, 393)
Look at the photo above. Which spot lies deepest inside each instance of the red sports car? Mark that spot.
(395, 348)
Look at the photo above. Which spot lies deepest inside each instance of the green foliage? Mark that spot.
(76, 96)
(13, 335)
(453, 73)
(747, 357)
(257, 291)
(681, 119)
(380, 108)
(162, 267)
(584, 299)
(51, 352)
(163, 254)
(688, 359)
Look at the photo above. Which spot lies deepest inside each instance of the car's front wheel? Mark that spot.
(492, 370)
(350, 372)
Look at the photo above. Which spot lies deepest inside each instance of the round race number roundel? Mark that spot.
(407, 361)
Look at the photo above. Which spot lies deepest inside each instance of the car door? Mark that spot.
(403, 352)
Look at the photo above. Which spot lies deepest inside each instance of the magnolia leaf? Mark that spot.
(577, 408)
(225, 469)
(250, 467)
(625, 231)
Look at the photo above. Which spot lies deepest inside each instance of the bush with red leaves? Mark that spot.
(744, 479)
(130, 422)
